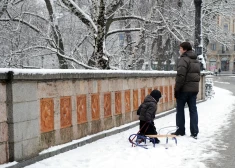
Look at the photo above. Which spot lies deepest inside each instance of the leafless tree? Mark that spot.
(103, 34)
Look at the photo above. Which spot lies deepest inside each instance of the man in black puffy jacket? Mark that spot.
(147, 111)
(186, 89)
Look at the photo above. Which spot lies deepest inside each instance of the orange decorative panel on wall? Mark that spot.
(127, 101)
(65, 112)
(171, 93)
(161, 90)
(107, 104)
(95, 106)
(81, 109)
(156, 87)
(166, 93)
(47, 114)
(149, 91)
(142, 95)
(118, 103)
(135, 99)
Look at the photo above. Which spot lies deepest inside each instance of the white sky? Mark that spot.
(116, 151)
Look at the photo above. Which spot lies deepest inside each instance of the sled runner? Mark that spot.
(160, 136)
(167, 136)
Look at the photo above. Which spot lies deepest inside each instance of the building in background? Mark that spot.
(220, 56)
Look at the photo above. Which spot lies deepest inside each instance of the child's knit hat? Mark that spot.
(156, 94)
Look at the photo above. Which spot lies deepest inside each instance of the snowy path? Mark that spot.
(116, 151)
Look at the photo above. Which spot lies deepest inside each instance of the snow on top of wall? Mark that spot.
(80, 71)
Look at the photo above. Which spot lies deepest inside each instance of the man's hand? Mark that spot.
(176, 94)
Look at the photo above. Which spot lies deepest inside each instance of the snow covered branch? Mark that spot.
(86, 19)
(122, 30)
(169, 29)
(127, 18)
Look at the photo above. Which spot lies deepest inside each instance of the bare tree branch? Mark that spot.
(4, 7)
(36, 15)
(80, 43)
(23, 22)
(114, 5)
(55, 51)
(15, 2)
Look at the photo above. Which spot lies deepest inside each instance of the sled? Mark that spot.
(167, 136)
(134, 138)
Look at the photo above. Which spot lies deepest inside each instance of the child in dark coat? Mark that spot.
(147, 111)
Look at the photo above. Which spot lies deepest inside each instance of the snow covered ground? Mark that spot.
(116, 151)
(222, 82)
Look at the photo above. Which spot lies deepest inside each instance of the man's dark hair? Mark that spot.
(186, 46)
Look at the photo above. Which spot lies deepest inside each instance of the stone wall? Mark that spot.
(45, 110)
(3, 125)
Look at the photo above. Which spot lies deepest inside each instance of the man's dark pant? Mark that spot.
(189, 98)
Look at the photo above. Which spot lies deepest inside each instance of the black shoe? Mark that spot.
(139, 138)
(177, 133)
(155, 140)
(194, 136)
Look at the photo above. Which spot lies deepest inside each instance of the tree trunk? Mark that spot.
(98, 58)
(158, 41)
(140, 48)
(206, 42)
(129, 49)
(57, 36)
(197, 40)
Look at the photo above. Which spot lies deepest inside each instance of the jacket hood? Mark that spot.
(149, 99)
(190, 54)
